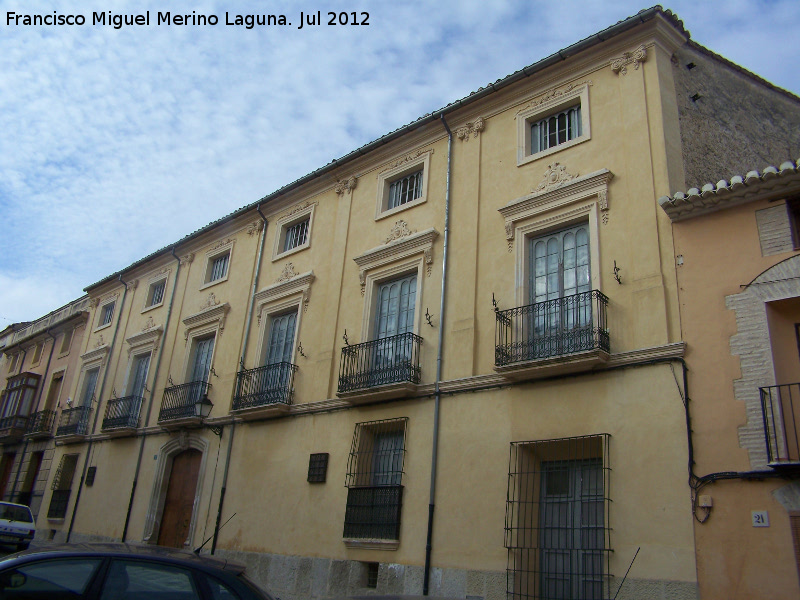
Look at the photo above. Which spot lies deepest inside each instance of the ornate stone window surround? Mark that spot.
(300, 213)
(411, 254)
(158, 495)
(101, 308)
(222, 248)
(577, 200)
(572, 96)
(277, 299)
(397, 170)
(209, 322)
(139, 344)
(93, 359)
(151, 284)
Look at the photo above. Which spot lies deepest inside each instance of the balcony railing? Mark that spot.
(74, 421)
(393, 359)
(179, 400)
(40, 423)
(780, 407)
(122, 413)
(271, 384)
(557, 327)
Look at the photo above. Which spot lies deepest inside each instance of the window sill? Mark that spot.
(151, 307)
(56, 520)
(213, 283)
(528, 158)
(393, 211)
(290, 252)
(96, 329)
(371, 544)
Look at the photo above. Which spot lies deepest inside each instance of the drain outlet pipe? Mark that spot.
(245, 339)
(437, 390)
(152, 394)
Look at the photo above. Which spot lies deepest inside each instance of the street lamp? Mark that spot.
(202, 408)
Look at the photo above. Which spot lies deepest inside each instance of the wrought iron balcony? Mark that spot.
(555, 328)
(780, 407)
(12, 428)
(74, 421)
(40, 424)
(179, 400)
(390, 360)
(264, 386)
(122, 413)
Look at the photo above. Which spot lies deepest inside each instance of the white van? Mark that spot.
(16, 525)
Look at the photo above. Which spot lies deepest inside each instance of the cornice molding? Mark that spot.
(299, 284)
(212, 311)
(404, 247)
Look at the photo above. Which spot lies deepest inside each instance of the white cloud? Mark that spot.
(118, 142)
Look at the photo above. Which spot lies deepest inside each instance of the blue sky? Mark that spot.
(114, 143)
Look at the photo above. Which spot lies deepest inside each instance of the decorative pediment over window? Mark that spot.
(148, 338)
(396, 249)
(213, 310)
(97, 354)
(284, 288)
(557, 190)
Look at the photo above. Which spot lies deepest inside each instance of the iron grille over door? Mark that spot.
(557, 530)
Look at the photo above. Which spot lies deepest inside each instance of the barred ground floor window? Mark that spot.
(557, 526)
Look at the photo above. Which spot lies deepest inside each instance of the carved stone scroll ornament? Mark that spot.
(429, 260)
(555, 176)
(100, 341)
(255, 227)
(400, 230)
(551, 95)
(132, 285)
(94, 302)
(474, 129)
(602, 202)
(210, 302)
(287, 273)
(510, 235)
(637, 57)
(408, 158)
(362, 278)
(346, 185)
(149, 324)
(187, 259)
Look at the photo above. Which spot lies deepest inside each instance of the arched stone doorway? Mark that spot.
(172, 515)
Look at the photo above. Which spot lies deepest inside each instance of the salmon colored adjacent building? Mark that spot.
(452, 361)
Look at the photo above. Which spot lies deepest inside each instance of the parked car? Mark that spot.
(105, 571)
(16, 525)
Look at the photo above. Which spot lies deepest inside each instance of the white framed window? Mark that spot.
(553, 125)
(218, 263)
(155, 293)
(404, 184)
(106, 314)
(294, 231)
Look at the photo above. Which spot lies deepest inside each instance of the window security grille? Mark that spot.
(374, 476)
(405, 189)
(372, 574)
(108, 313)
(318, 467)
(556, 129)
(557, 526)
(296, 235)
(91, 473)
(157, 293)
(219, 267)
(62, 486)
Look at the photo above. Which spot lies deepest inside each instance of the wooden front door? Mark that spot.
(5, 474)
(181, 490)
